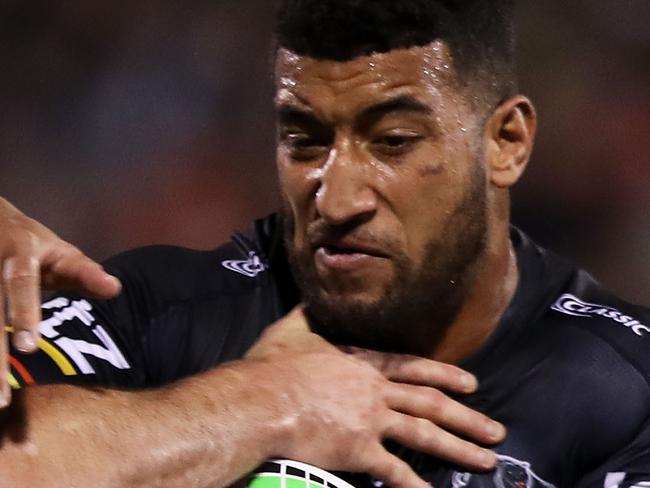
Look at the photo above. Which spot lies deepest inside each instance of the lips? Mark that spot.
(347, 255)
(349, 246)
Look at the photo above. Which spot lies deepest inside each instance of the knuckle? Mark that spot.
(23, 317)
(422, 431)
(20, 278)
(396, 471)
(438, 403)
(393, 424)
(74, 253)
(362, 437)
(390, 363)
(366, 356)
(66, 256)
(19, 234)
(423, 371)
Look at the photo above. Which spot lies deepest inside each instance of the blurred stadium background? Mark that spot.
(126, 123)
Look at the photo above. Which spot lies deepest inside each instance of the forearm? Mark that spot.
(204, 431)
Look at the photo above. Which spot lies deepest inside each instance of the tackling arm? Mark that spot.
(213, 428)
(203, 431)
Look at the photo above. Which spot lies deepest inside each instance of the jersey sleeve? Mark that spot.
(95, 342)
(134, 340)
(80, 344)
(181, 312)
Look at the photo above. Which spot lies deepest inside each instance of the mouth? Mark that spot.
(348, 245)
(331, 250)
(347, 255)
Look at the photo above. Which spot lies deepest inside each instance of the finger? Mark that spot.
(294, 324)
(424, 436)
(5, 390)
(21, 284)
(433, 405)
(73, 270)
(394, 472)
(291, 332)
(420, 371)
(297, 318)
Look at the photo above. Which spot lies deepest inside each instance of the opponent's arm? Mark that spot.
(204, 431)
(295, 396)
(31, 257)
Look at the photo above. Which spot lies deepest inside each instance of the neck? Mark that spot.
(492, 292)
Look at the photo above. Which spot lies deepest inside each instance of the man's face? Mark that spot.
(384, 193)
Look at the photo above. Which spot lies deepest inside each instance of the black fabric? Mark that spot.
(566, 370)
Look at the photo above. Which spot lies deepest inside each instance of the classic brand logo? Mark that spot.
(571, 305)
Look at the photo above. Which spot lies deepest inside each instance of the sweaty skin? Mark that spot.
(376, 157)
(394, 179)
(334, 417)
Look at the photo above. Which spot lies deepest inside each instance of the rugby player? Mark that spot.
(328, 333)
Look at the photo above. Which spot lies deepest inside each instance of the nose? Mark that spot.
(345, 194)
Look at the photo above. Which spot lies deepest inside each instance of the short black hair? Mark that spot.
(479, 33)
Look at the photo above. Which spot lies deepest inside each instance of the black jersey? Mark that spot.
(566, 370)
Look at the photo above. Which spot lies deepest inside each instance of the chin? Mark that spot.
(350, 297)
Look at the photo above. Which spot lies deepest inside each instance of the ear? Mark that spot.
(509, 135)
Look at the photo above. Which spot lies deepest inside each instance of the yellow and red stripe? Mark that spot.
(21, 370)
(13, 382)
(52, 352)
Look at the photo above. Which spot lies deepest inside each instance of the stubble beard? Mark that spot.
(419, 303)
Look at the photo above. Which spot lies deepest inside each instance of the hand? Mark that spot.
(345, 403)
(32, 256)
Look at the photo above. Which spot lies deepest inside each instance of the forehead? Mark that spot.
(425, 72)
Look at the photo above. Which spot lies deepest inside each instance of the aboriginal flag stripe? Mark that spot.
(55, 355)
(13, 382)
(61, 361)
(20, 369)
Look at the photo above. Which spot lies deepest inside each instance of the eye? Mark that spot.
(303, 146)
(395, 144)
(300, 141)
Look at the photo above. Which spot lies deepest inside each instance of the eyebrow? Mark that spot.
(290, 110)
(404, 103)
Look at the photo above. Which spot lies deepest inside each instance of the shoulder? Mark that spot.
(250, 260)
(597, 363)
(585, 305)
(197, 309)
(577, 310)
(602, 343)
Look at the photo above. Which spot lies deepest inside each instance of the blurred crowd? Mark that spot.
(128, 123)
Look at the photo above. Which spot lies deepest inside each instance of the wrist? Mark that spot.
(262, 408)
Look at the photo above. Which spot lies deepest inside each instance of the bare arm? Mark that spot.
(204, 431)
(295, 396)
